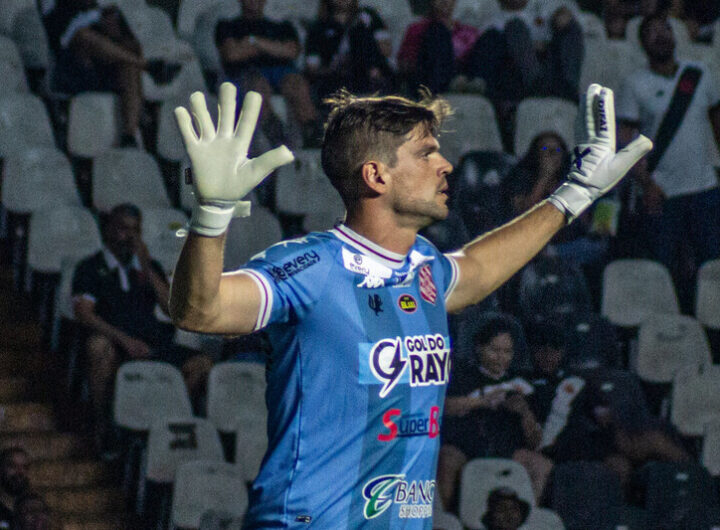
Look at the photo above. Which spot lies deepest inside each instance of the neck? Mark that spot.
(382, 229)
(665, 68)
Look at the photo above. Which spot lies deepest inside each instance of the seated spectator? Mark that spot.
(13, 482)
(348, 47)
(120, 295)
(435, 49)
(540, 172)
(701, 17)
(258, 54)
(530, 48)
(486, 411)
(95, 50)
(32, 513)
(505, 510)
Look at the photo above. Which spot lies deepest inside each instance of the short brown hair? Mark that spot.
(359, 129)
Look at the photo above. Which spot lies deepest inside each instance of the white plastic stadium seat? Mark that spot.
(472, 127)
(593, 27)
(543, 519)
(711, 447)
(146, 391)
(169, 141)
(482, 475)
(93, 123)
(609, 62)
(445, 521)
(204, 485)
(249, 235)
(9, 52)
(127, 175)
(695, 398)
(292, 10)
(707, 305)
(37, 178)
(635, 288)
(160, 228)
(303, 189)
(30, 36)
(188, 80)
(57, 232)
(537, 115)
(236, 393)
(250, 446)
(13, 78)
(396, 15)
(667, 342)
(203, 35)
(474, 12)
(9, 10)
(176, 440)
(24, 123)
(188, 11)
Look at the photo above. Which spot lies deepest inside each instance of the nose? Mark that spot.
(445, 167)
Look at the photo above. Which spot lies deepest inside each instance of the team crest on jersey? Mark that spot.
(428, 290)
(415, 497)
(417, 360)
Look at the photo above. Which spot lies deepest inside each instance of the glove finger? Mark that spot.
(226, 110)
(184, 122)
(604, 117)
(265, 164)
(587, 115)
(248, 119)
(628, 157)
(204, 120)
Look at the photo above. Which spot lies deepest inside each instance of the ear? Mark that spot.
(374, 176)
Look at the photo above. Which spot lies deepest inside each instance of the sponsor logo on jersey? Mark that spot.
(428, 290)
(291, 268)
(415, 497)
(374, 273)
(417, 360)
(375, 303)
(401, 425)
(407, 303)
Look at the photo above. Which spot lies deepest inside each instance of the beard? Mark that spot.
(16, 485)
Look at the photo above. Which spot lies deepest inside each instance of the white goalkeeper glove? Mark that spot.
(596, 167)
(222, 174)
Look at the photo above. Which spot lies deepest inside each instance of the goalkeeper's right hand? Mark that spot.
(222, 174)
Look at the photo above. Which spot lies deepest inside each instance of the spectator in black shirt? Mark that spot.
(348, 47)
(13, 482)
(32, 513)
(258, 54)
(117, 295)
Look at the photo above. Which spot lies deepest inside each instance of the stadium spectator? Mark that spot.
(435, 49)
(258, 54)
(701, 18)
(32, 513)
(505, 510)
(95, 50)
(536, 176)
(677, 103)
(529, 48)
(117, 294)
(348, 47)
(487, 412)
(13, 482)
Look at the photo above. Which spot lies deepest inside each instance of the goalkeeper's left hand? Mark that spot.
(596, 167)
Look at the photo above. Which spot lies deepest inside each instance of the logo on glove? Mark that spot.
(579, 156)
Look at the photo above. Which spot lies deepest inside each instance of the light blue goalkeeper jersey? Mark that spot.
(356, 383)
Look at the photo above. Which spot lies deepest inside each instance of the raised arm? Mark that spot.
(490, 260)
(202, 298)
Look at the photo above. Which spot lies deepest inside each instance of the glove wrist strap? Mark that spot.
(572, 199)
(211, 220)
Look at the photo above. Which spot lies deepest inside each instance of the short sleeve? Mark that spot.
(627, 106)
(291, 276)
(451, 273)
(85, 281)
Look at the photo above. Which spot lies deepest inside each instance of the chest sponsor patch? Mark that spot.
(416, 360)
(415, 497)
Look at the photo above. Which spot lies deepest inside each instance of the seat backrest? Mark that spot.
(476, 13)
(57, 232)
(37, 178)
(293, 10)
(543, 519)
(31, 38)
(249, 235)
(9, 52)
(609, 62)
(591, 341)
(127, 175)
(695, 398)
(203, 36)
(480, 477)
(163, 234)
(146, 391)
(175, 440)
(666, 342)
(13, 77)
(707, 304)
(236, 393)
(710, 456)
(170, 145)
(472, 127)
(251, 443)
(9, 10)
(538, 115)
(205, 485)
(188, 11)
(634, 288)
(445, 521)
(93, 123)
(620, 391)
(24, 122)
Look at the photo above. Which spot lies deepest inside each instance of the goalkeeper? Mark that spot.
(357, 315)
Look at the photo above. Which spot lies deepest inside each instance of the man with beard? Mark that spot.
(677, 105)
(13, 482)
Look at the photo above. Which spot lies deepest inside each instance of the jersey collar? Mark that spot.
(367, 247)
